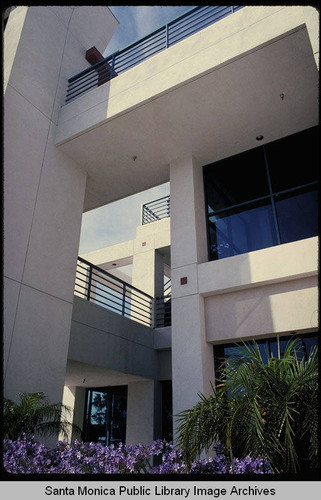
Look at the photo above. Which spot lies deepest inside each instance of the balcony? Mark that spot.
(156, 210)
(102, 288)
(178, 29)
(223, 83)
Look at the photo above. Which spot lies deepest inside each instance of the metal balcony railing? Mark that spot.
(179, 28)
(156, 210)
(163, 307)
(96, 285)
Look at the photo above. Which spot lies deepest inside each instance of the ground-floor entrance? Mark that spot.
(105, 415)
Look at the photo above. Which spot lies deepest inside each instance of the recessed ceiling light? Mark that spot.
(259, 137)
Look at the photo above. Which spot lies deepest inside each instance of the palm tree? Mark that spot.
(33, 415)
(259, 409)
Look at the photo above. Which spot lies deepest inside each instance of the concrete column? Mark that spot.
(140, 413)
(193, 366)
(148, 269)
(188, 224)
(75, 399)
(148, 272)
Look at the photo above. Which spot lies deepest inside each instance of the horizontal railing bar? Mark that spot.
(156, 210)
(84, 79)
(104, 289)
(89, 79)
(91, 68)
(132, 296)
(161, 206)
(140, 57)
(130, 317)
(124, 54)
(203, 16)
(114, 277)
(119, 286)
(158, 199)
(177, 29)
(128, 47)
(82, 90)
(120, 305)
(144, 306)
(158, 206)
(198, 11)
(181, 16)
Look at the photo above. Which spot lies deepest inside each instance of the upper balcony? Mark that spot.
(164, 37)
(209, 95)
(156, 210)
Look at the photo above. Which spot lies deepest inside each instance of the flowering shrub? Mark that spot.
(29, 457)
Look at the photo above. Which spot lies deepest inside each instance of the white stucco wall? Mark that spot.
(234, 35)
(43, 192)
(140, 413)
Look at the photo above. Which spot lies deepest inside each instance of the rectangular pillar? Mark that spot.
(193, 364)
(140, 413)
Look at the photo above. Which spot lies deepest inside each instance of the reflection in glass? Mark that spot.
(267, 347)
(297, 215)
(224, 178)
(231, 232)
(283, 174)
(106, 415)
(293, 160)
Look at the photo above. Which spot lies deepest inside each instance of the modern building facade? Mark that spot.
(228, 115)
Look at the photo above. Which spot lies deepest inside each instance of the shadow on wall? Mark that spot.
(268, 309)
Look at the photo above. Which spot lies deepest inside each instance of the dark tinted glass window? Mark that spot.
(263, 197)
(296, 213)
(294, 160)
(105, 418)
(236, 180)
(231, 232)
(268, 347)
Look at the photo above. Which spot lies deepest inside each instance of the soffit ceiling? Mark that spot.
(214, 116)
(84, 375)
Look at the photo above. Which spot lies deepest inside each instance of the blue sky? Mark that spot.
(117, 221)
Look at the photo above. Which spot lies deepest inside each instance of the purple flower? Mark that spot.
(29, 457)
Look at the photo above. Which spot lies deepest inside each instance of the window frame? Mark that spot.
(218, 349)
(271, 196)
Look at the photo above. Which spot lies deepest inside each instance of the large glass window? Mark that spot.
(105, 415)
(274, 346)
(231, 231)
(263, 197)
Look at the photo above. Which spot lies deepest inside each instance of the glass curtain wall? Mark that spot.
(263, 197)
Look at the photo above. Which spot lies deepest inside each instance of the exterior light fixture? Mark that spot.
(259, 137)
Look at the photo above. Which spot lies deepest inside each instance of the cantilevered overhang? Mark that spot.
(208, 96)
